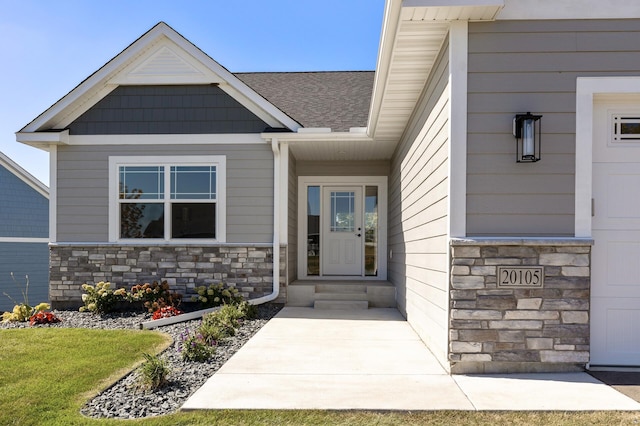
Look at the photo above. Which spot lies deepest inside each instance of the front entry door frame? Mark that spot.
(346, 182)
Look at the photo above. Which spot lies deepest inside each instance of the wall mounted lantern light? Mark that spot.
(526, 129)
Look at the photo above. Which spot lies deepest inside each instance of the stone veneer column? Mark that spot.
(496, 329)
(249, 268)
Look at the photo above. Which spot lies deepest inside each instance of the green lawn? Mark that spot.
(46, 375)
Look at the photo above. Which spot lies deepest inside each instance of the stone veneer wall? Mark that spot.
(249, 268)
(496, 329)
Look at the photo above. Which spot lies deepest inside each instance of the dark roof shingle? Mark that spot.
(335, 99)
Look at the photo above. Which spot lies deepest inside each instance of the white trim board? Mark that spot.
(169, 139)
(458, 66)
(23, 240)
(587, 88)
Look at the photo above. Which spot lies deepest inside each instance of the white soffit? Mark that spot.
(407, 56)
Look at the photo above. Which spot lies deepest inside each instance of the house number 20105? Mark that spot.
(513, 276)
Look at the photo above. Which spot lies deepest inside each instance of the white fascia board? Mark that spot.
(320, 136)
(569, 9)
(100, 83)
(452, 3)
(39, 138)
(234, 86)
(97, 79)
(24, 175)
(390, 24)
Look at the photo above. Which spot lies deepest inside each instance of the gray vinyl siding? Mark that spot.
(292, 213)
(83, 186)
(24, 212)
(520, 66)
(418, 208)
(23, 259)
(343, 168)
(198, 109)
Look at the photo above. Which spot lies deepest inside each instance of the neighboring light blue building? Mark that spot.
(24, 235)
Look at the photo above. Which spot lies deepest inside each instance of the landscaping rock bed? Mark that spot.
(125, 399)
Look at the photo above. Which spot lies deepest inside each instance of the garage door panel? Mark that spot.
(615, 207)
(618, 321)
(620, 271)
(615, 273)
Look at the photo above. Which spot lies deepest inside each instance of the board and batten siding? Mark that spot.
(418, 206)
(83, 181)
(520, 66)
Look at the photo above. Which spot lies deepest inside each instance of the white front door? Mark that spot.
(342, 235)
(615, 275)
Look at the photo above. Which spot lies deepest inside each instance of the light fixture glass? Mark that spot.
(526, 130)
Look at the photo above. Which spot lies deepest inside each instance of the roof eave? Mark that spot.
(423, 11)
(102, 82)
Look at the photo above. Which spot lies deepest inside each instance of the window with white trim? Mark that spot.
(167, 198)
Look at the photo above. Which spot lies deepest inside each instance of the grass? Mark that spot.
(46, 375)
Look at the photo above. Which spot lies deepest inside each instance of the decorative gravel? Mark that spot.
(125, 399)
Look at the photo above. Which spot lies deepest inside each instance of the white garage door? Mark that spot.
(615, 277)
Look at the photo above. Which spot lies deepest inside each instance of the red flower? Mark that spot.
(166, 312)
(43, 318)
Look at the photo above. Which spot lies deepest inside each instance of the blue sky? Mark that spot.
(49, 47)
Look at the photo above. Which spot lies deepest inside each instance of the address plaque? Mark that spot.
(521, 277)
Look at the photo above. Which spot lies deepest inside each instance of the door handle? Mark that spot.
(358, 235)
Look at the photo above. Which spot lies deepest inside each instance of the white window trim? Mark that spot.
(304, 182)
(220, 161)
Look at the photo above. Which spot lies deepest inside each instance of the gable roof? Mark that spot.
(160, 56)
(338, 100)
(23, 175)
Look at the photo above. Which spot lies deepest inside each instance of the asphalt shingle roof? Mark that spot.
(335, 99)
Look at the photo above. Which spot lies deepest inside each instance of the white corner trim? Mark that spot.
(53, 192)
(284, 193)
(586, 89)
(458, 65)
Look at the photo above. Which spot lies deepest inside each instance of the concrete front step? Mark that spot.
(350, 305)
(378, 294)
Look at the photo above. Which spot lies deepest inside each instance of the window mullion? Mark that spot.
(167, 202)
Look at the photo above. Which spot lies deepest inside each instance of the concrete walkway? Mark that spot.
(372, 359)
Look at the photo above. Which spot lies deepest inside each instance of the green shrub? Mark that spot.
(154, 372)
(23, 311)
(154, 296)
(101, 298)
(216, 295)
(194, 347)
(224, 322)
(247, 310)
